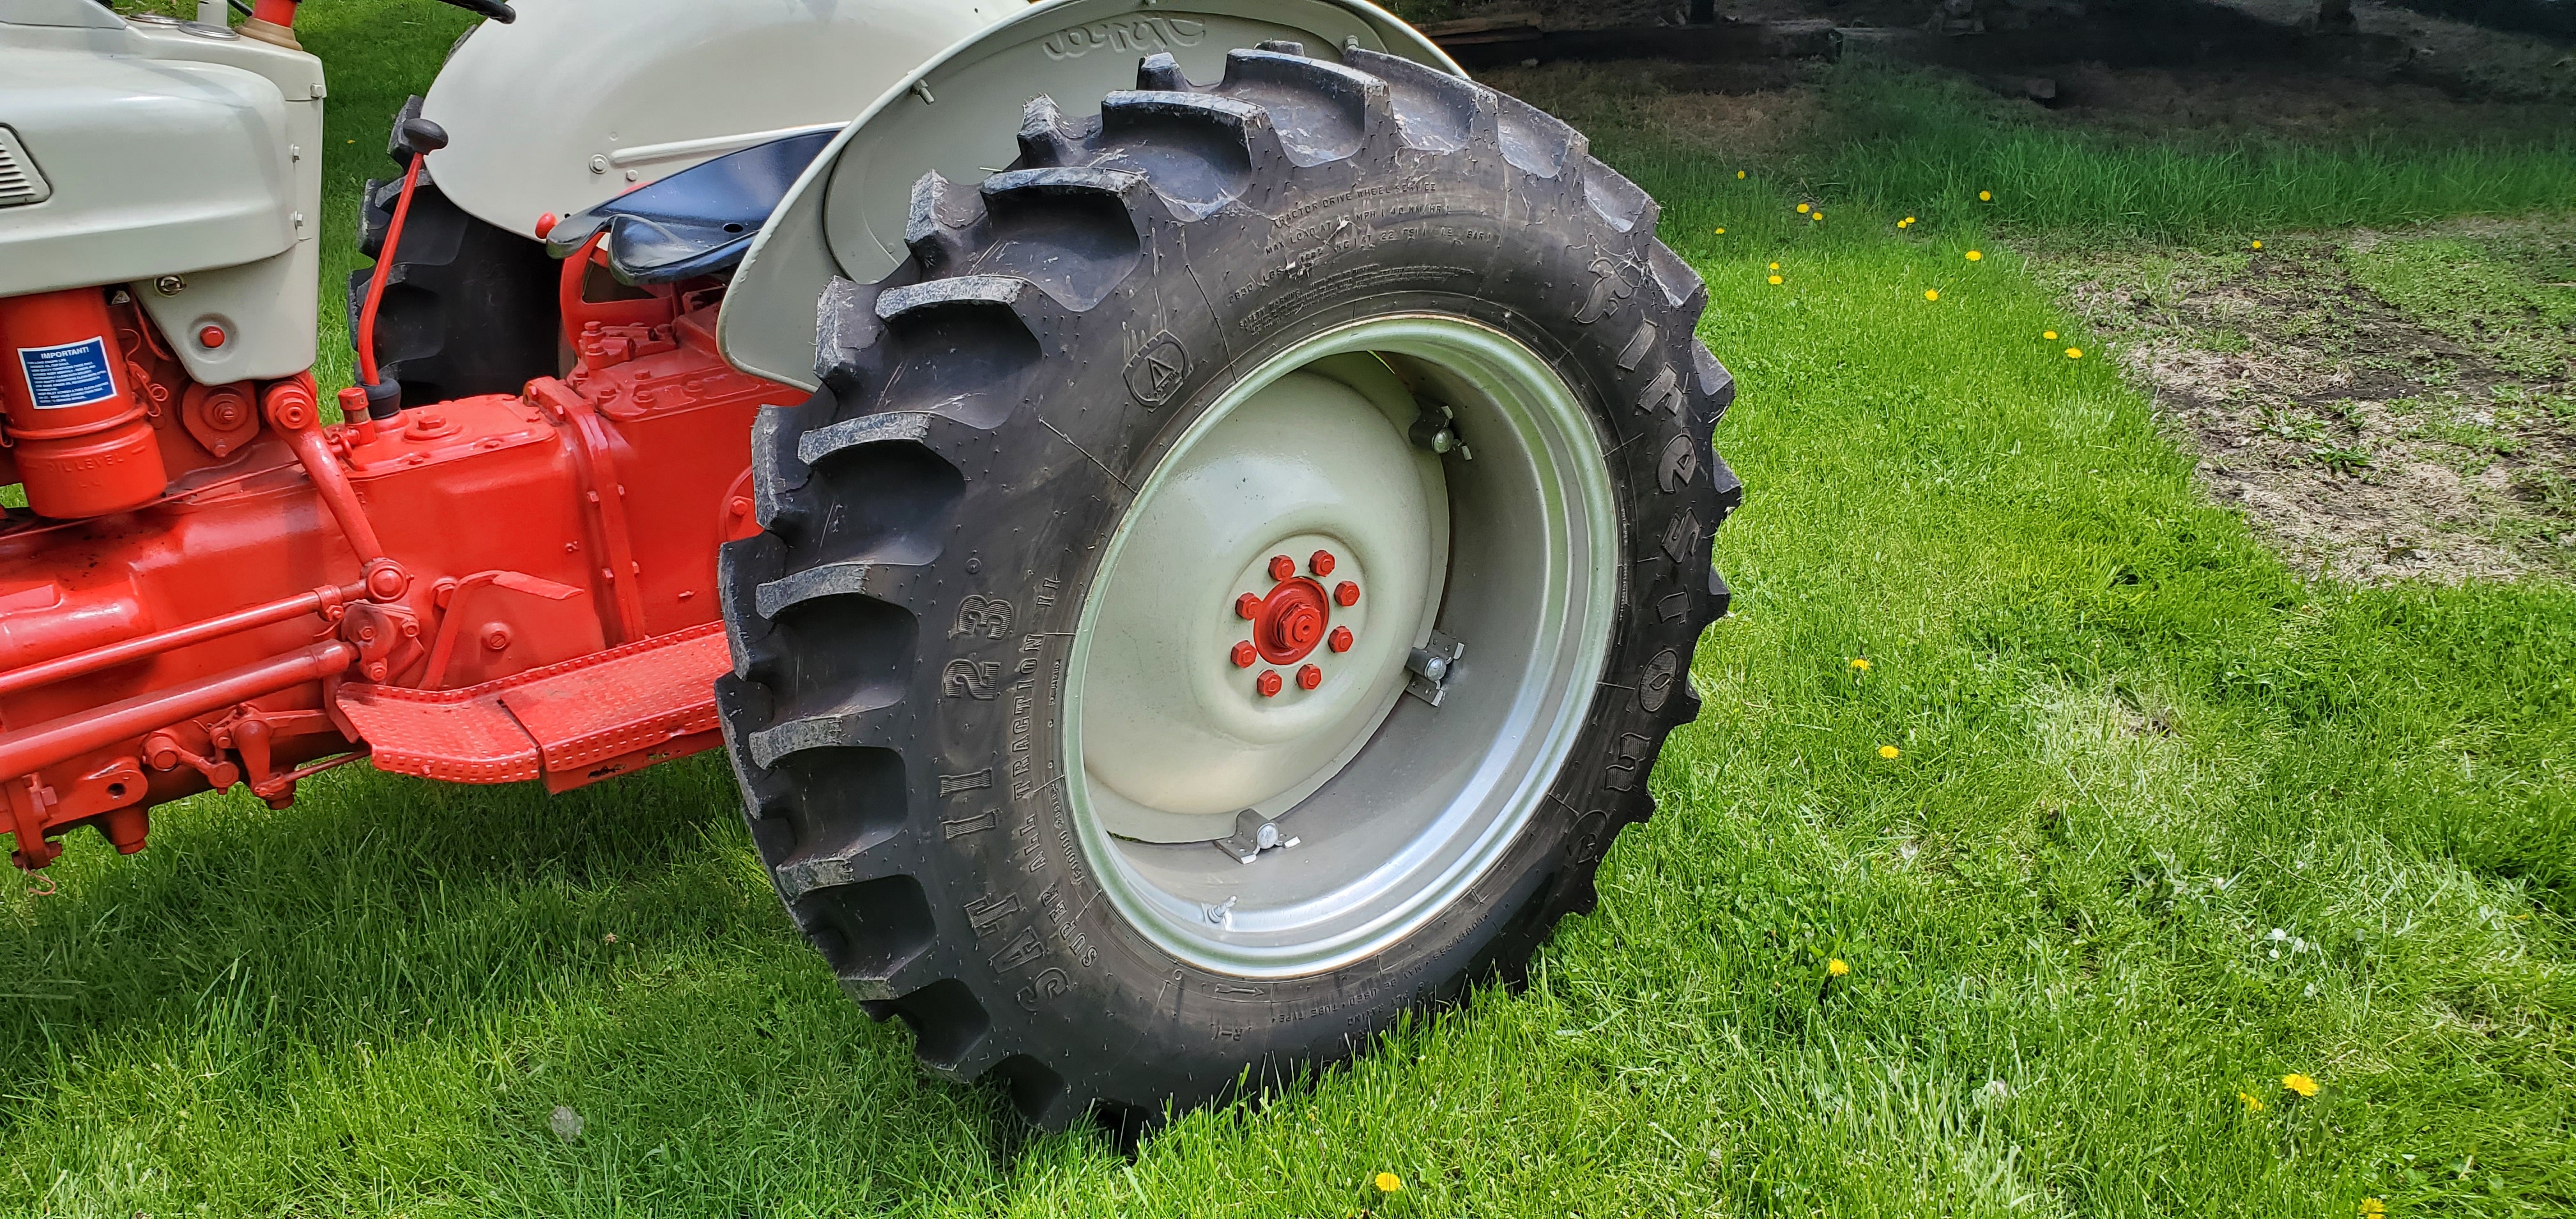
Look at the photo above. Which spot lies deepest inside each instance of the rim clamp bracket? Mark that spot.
(1428, 668)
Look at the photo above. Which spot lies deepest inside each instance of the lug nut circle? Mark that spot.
(1291, 621)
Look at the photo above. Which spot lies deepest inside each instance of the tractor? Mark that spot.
(1189, 518)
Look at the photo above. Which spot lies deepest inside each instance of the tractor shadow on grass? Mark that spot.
(396, 982)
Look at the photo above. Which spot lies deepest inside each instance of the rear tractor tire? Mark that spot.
(1099, 699)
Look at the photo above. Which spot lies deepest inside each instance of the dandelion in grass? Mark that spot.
(1837, 968)
(1387, 1182)
(2258, 245)
(1775, 266)
(1861, 663)
(1985, 196)
(2253, 1103)
(2049, 335)
(2371, 1208)
(1890, 752)
(1775, 279)
(2075, 353)
(1976, 256)
(1738, 173)
(1931, 294)
(1721, 232)
(2300, 1084)
(1802, 208)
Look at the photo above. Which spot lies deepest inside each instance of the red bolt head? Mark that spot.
(1245, 654)
(211, 337)
(1339, 640)
(1247, 606)
(1309, 677)
(1267, 683)
(1282, 567)
(1346, 593)
(1320, 562)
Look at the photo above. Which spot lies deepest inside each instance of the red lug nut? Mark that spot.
(1245, 654)
(1267, 683)
(1309, 677)
(1282, 567)
(1346, 593)
(1339, 640)
(1320, 562)
(1247, 606)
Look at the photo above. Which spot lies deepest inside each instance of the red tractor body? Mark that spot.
(223, 588)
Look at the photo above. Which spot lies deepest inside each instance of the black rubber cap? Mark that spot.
(384, 399)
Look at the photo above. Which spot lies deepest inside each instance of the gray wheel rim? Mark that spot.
(1396, 808)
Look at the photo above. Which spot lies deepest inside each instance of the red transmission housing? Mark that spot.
(490, 589)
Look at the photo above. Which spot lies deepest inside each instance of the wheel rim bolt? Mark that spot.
(1282, 567)
(1346, 593)
(1267, 683)
(1339, 640)
(1247, 606)
(1244, 654)
(1320, 562)
(1309, 677)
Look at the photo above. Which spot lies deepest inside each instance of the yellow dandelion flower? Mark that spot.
(1861, 663)
(2300, 1084)
(1909, 220)
(1976, 256)
(1817, 216)
(1802, 209)
(1775, 266)
(1739, 173)
(1931, 294)
(2253, 1103)
(1775, 279)
(2258, 245)
(1890, 752)
(1985, 196)
(2048, 334)
(1836, 967)
(1721, 232)
(2371, 1208)
(2075, 353)
(1387, 1182)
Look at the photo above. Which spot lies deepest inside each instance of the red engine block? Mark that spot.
(491, 589)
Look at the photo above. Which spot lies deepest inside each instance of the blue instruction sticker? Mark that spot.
(68, 374)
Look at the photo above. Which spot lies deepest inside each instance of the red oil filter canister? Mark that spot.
(74, 425)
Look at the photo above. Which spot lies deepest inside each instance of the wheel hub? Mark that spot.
(1290, 621)
(1231, 674)
(1225, 691)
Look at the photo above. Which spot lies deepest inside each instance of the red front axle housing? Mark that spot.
(215, 585)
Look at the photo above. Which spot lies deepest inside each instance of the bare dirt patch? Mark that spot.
(2384, 406)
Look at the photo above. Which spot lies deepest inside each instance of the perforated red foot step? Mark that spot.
(573, 723)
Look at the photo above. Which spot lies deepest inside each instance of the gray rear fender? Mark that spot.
(960, 115)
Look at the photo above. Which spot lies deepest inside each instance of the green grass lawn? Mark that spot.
(2121, 824)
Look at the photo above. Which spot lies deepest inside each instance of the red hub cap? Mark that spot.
(1291, 621)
